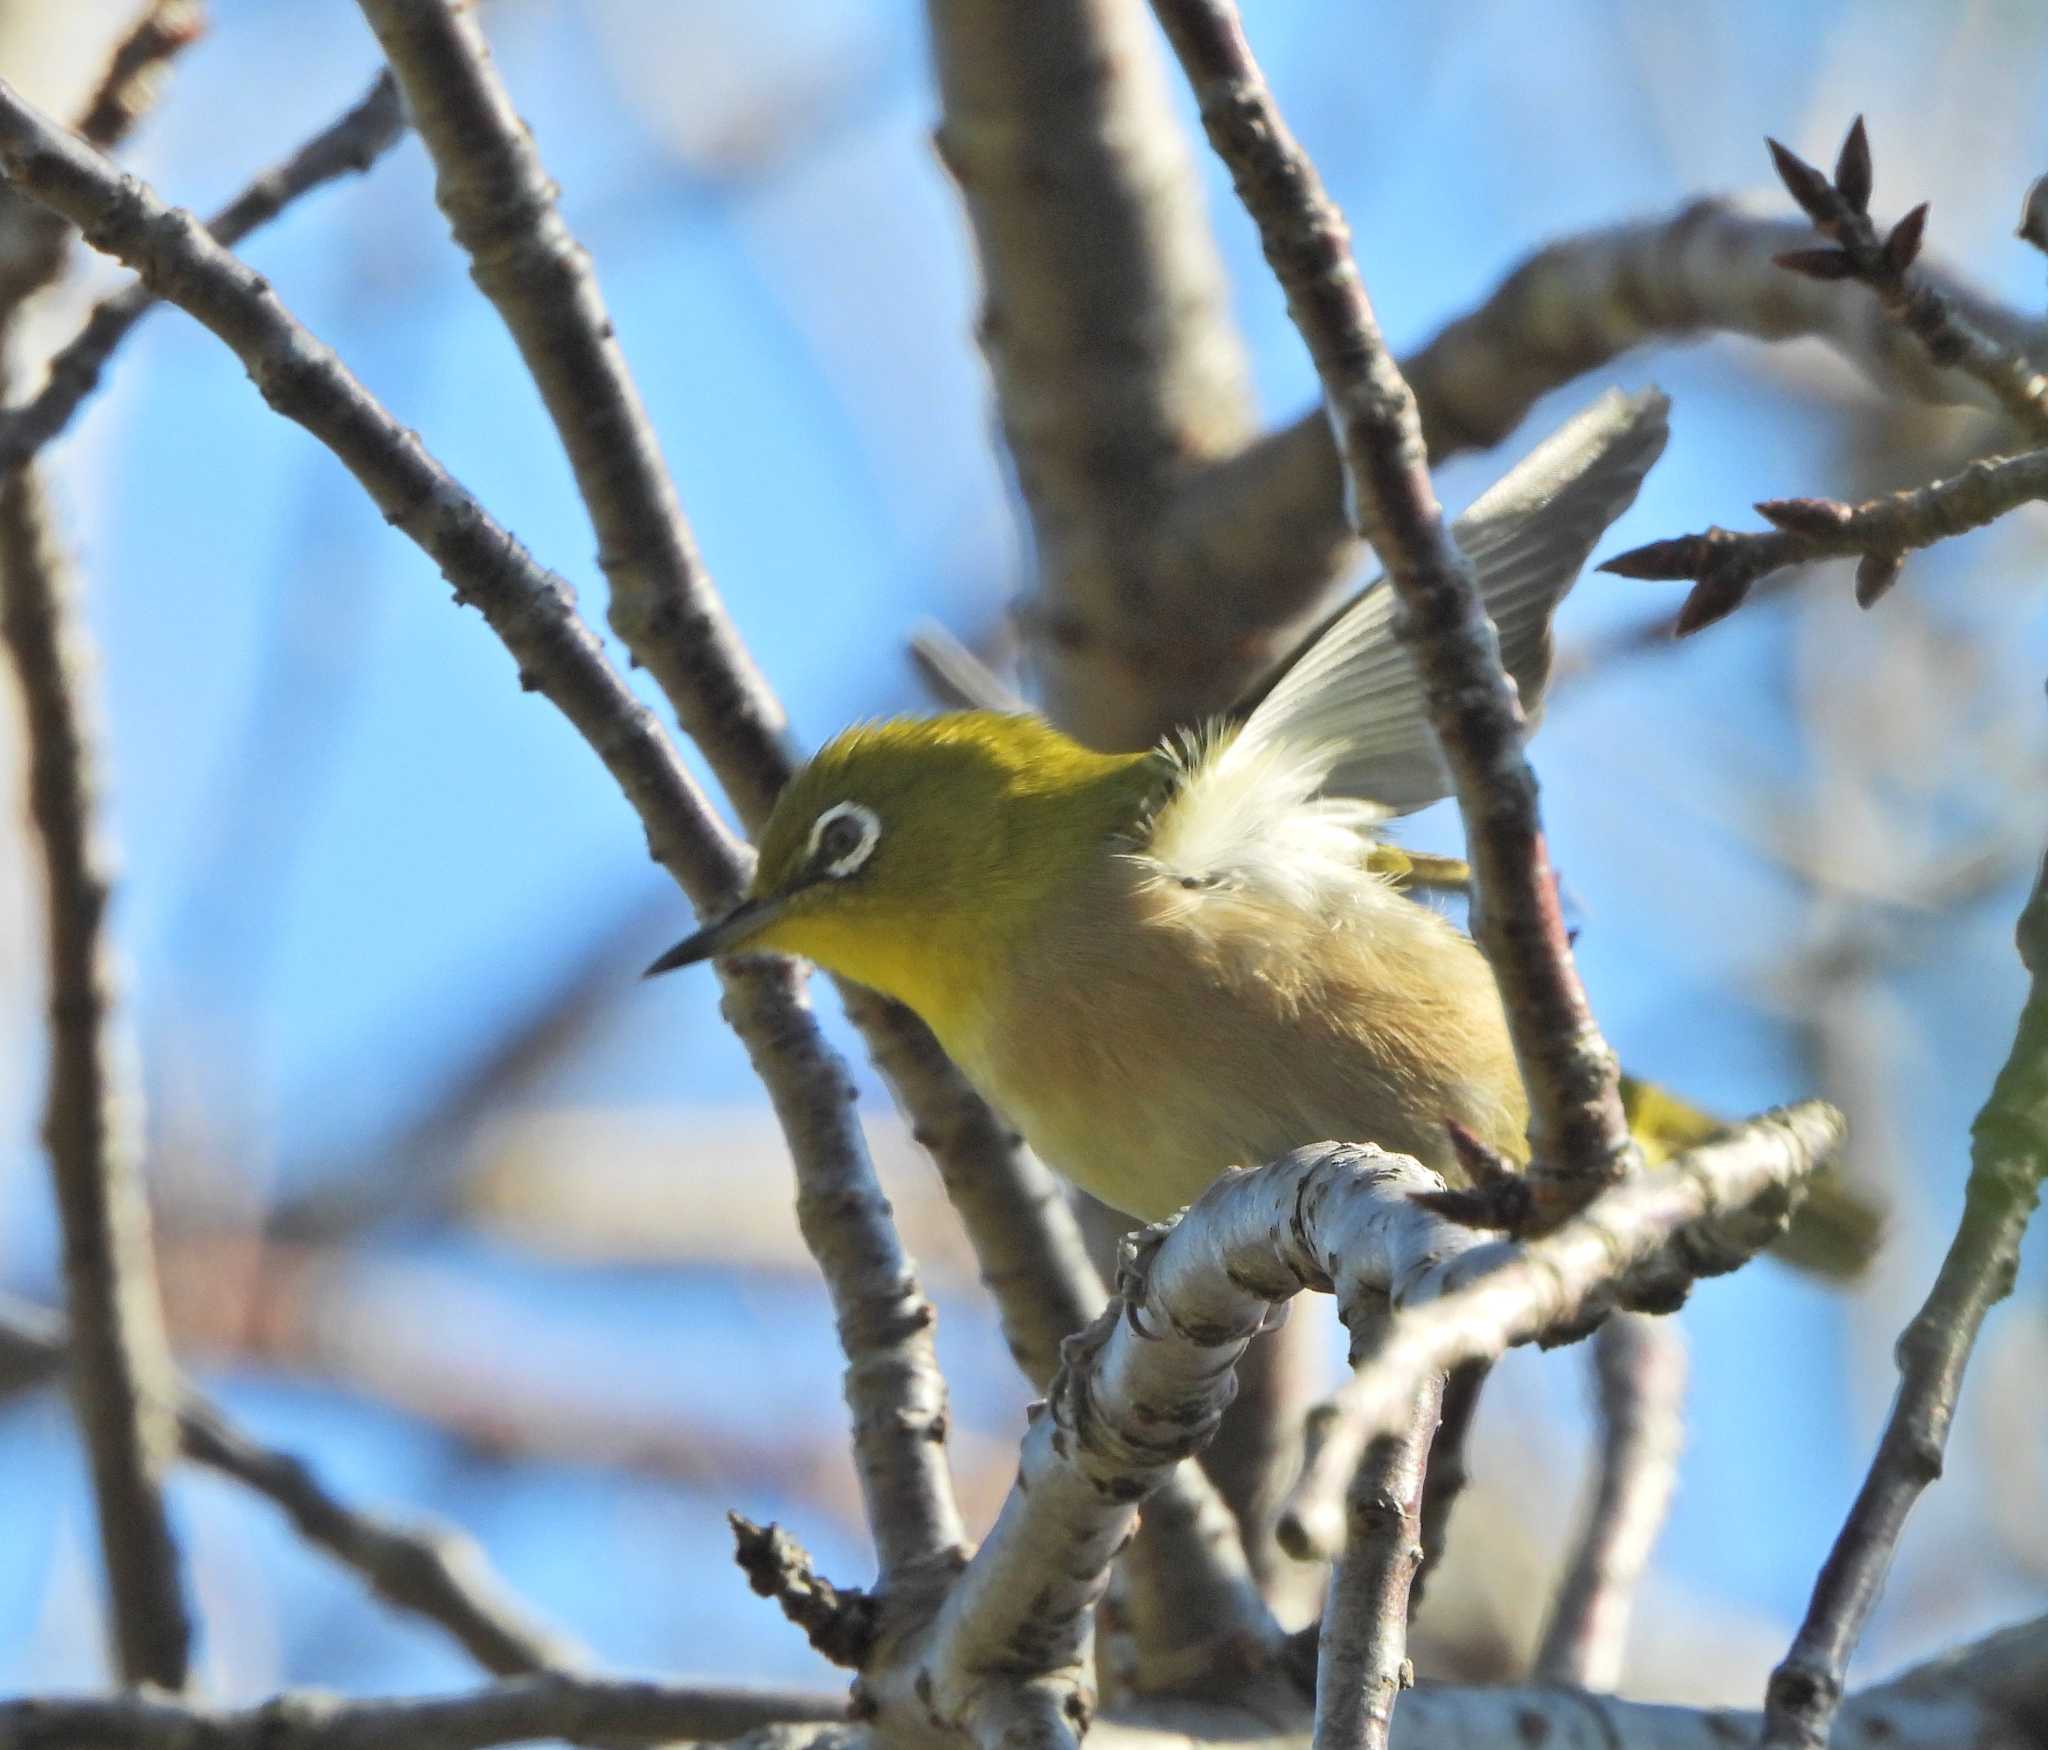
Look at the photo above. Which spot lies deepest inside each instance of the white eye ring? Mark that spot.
(863, 847)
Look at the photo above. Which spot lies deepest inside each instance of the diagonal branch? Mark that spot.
(135, 71)
(431, 1571)
(1726, 565)
(1577, 1130)
(1638, 1246)
(894, 1385)
(1143, 1387)
(1839, 207)
(1572, 306)
(350, 144)
(2009, 1161)
(500, 204)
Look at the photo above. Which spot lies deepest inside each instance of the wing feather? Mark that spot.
(1350, 686)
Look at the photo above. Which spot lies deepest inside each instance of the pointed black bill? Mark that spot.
(727, 935)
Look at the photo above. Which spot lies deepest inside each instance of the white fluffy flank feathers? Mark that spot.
(1246, 818)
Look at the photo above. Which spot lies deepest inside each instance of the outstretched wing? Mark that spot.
(1349, 684)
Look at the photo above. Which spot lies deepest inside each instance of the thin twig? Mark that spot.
(1637, 1246)
(500, 206)
(1362, 1649)
(2009, 1160)
(1839, 207)
(1573, 306)
(351, 143)
(1448, 1468)
(430, 1571)
(1879, 533)
(135, 72)
(1577, 1131)
(121, 1376)
(1639, 1367)
(896, 1392)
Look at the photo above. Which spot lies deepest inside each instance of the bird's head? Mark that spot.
(907, 851)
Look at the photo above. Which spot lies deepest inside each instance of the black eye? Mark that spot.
(843, 837)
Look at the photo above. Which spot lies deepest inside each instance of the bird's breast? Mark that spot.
(1144, 1039)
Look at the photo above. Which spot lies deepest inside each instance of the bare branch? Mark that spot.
(431, 1571)
(665, 608)
(1639, 1366)
(352, 143)
(1879, 533)
(584, 1710)
(500, 205)
(2009, 1160)
(1144, 1386)
(894, 1387)
(1362, 1651)
(1448, 1473)
(1840, 211)
(1106, 325)
(135, 72)
(1987, 1696)
(1577, 1131)
(1637, 1246)
(121, 1377)
(1570, 308)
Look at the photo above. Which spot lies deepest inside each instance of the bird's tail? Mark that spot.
(1837, 1228)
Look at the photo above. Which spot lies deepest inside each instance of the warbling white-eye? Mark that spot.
(1162, 964)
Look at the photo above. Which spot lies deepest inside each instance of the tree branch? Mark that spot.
(1571, 307)
(1362, 1649)
(1840, 210)
(1143, 1387)
(1987, 1696)
(122, 1377)
(135, 71)
(1577, 1131)
(351, 143)
(1105, 321)
(2009, 1159)
(1639, 1365)
(430, 1571)
(1879, 533)
(583, 1710)
(664, 606)
(500, 205)
(894, 1388)
(1637, 1246)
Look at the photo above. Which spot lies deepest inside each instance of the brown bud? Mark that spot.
(2034, 214)
(1662, 561)
(1715, 597)
(1814, 193)
(1805, 516)
(1875, 574)
(1902, 247)
(1852, 168)
(1817, 264)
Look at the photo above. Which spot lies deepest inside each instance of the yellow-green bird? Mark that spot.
(1163, 964)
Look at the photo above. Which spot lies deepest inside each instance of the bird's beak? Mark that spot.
(727, 935)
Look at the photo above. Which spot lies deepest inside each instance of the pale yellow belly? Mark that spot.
(1144, 1079)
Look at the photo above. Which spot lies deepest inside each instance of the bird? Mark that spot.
(1162, 964)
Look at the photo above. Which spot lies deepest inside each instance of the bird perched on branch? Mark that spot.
(1163, 964)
